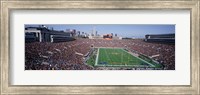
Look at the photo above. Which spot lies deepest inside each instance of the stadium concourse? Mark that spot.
(72, 55)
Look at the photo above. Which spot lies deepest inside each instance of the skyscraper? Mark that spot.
(94, 31)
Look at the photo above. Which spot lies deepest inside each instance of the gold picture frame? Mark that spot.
(192, 5)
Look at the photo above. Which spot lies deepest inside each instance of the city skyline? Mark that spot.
(122, 30)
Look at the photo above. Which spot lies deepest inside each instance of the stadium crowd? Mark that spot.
(70, 55)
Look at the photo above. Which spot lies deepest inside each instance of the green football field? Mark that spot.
(118, 57)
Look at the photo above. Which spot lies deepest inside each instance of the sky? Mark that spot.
(122, 30)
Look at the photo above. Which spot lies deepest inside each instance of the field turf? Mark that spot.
(118, 57)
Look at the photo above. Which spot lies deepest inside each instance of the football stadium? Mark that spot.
(48, 49)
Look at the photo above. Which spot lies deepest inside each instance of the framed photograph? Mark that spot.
(100, 47)
(112, 47)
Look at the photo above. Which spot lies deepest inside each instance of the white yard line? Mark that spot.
(107, 55)
(141, 59)
(96, 61)
(123, 66)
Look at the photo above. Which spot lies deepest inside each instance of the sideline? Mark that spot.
(97, 57)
